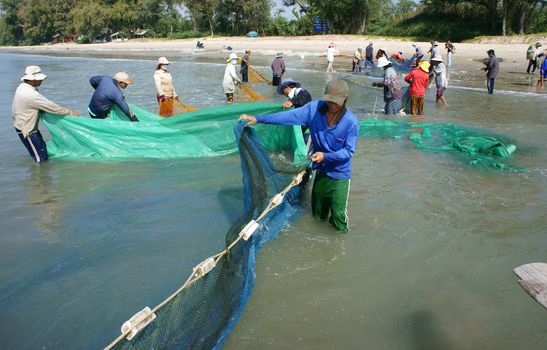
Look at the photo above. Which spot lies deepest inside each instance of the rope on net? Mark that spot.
(143, 318)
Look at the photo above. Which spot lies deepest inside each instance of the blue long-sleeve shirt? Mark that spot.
(337, 142)
(107, 93)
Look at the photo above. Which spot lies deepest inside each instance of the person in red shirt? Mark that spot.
(418, 80)
(398, 56)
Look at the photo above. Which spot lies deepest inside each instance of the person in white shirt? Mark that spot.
(230, 78)
(26, 108)
(331, 51)
(165, 91)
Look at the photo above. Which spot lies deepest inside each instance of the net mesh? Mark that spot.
(257, 77)
(202, 315)
(247, 94)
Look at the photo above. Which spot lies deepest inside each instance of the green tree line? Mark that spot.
(28, 22)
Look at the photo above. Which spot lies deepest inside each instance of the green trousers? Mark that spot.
(329, 196)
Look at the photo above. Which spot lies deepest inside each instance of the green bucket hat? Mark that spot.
(336, 91)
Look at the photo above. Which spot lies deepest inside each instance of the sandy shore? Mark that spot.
(308, 45)
(466, 68)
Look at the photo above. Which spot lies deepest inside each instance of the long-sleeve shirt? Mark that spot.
(391, 84)
(338, 142)
(492, 67)
(299, 97)
(369, 52)
(107, 93)
(418, 80)
(358, 55)
(230, 79)
(26, 108)
(164, 83)
(278, 66)
(440, 76)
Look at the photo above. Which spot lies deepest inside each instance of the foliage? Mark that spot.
(186, 35)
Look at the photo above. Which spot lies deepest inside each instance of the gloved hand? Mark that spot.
(162, 98)
(134, 118)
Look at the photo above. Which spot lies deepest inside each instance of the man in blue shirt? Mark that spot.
(108, 92)
(334, 132)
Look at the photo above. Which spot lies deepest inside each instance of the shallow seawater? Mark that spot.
(427, 263)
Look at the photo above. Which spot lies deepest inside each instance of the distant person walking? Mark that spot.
(441, 81)
(245, 63)
(359, 59)
(492, 69)
(331, 52)
(392, 87)
(230, 79)
(532, 54)
(450, 50)
(418, 80)
(369, 55)
(278, 69)
(26, 108)
(543, 70)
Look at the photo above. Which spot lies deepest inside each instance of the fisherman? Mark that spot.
(165, 91)
(435, 50)
(419, 53)
(26, 108)
(441, 81)
(492, 69)
(543, 70)
(278, 68)
(398, 56)
(245, 63)
(381, 53)
(532, 54)
(369, 54)
(297, 96)
(230, 78)
(418, 80)
(359, 59)
(334, 132)
(392, 87)
(108, 92)
(450, 50)
(331, 52)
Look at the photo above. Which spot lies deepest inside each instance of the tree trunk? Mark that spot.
(494, 5)
(522, 19)
(504, 18)
(211, 25)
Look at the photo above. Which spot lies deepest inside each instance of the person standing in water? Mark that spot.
(331, 51)
(108, 92)
(441, 81)
(492, 69)
(165, 91)
(26, 108)
(245, 63)
(334, 132)
(392, 87)
(230, 78)
(418, 80)
(278, 69)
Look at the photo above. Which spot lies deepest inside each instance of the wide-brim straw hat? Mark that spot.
(437, 58)
(286, 83)
(163, 60)
(123, 77)
(382, 62)
(424, 65)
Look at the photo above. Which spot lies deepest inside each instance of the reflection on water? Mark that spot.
(427, 263)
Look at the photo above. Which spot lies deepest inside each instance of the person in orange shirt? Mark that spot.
(418, 80)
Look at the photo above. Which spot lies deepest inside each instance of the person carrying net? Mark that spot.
(334, 131)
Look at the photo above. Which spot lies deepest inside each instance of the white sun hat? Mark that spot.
(382, 62)
(33, 73)
(163, 60)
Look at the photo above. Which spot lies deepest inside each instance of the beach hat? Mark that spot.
(383, 48)
(286, 83)
(331, 44)
(424, 65)
(360, 48)
(279, 54)
(437, 58)
(370, 42)
(33, 73)
(382, 62)
(233, 56)
(336, 91)
(434, 43)
(123, 77)
(247, 50)
(163, 60)
(415, 45)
